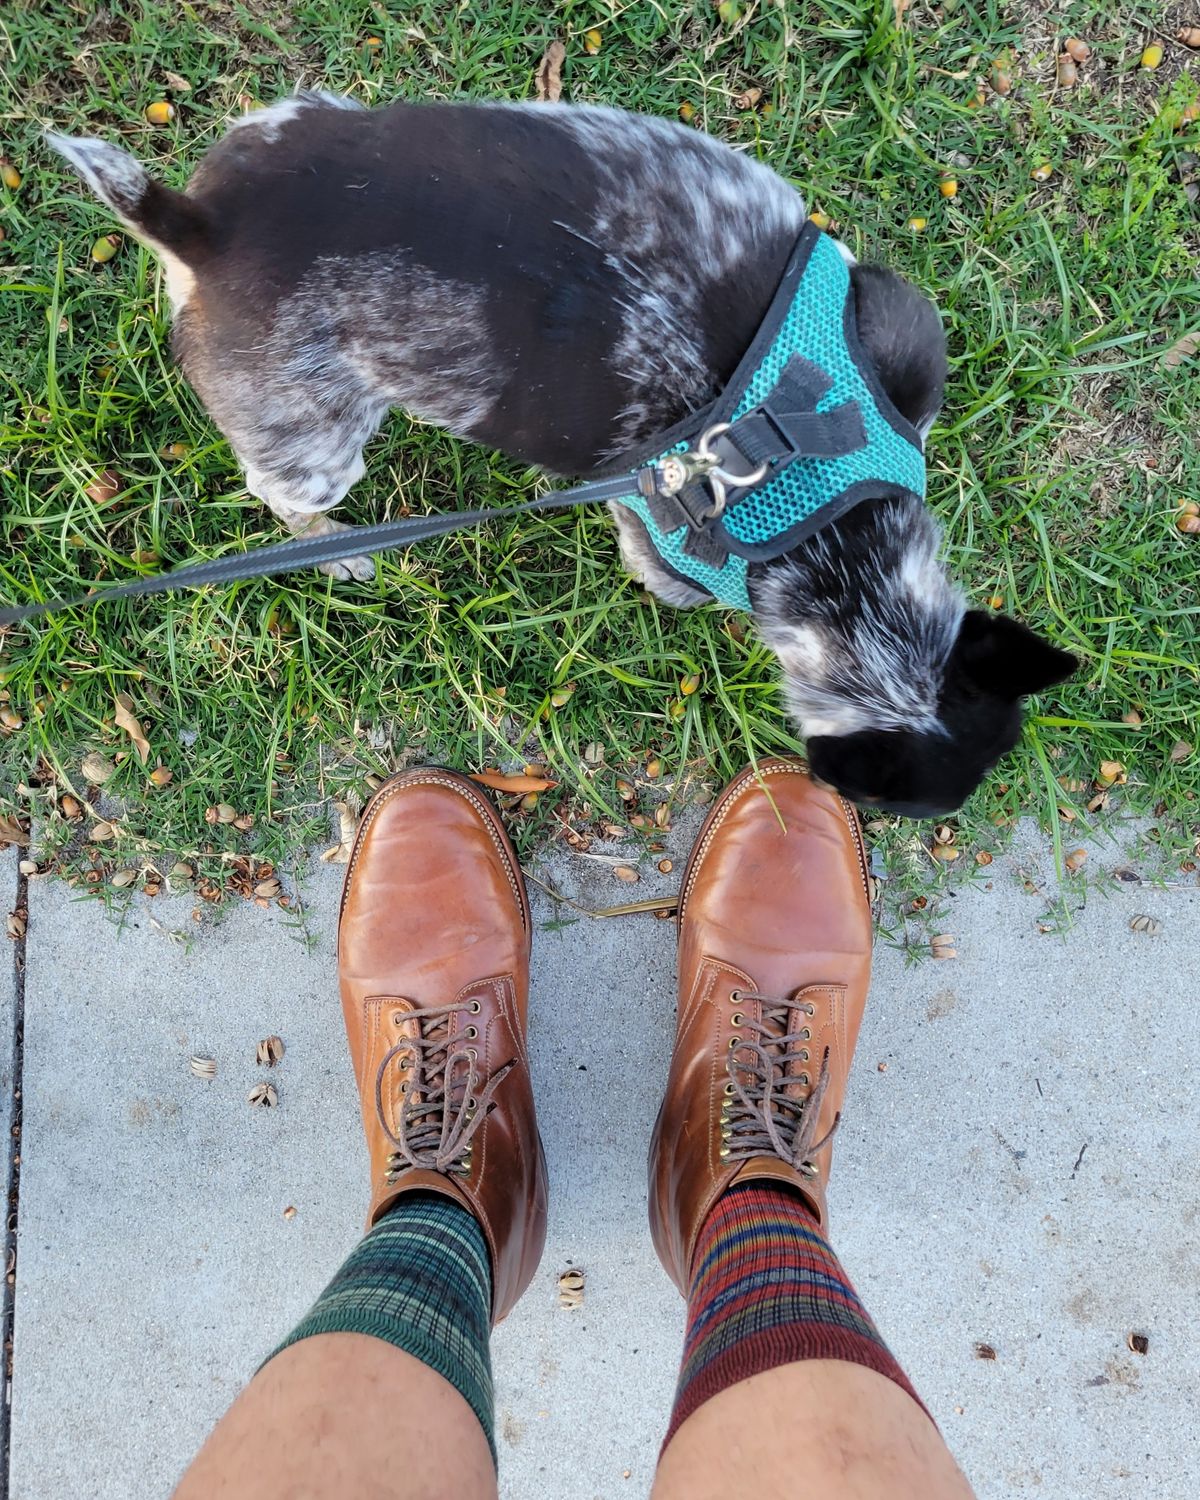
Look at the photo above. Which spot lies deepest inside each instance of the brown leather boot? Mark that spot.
(774, 962)
(433, 954)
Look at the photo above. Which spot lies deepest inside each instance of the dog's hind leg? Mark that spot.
(301, 471)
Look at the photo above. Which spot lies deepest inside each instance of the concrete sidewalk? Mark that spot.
(1024, 1173)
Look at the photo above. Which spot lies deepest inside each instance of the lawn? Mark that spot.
(1065, 265)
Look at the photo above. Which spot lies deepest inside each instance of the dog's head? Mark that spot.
(905, 697)
(929, 772)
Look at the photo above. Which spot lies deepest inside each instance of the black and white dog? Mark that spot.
(561, 283)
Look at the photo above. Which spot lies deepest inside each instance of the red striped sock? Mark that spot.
(767, 1290)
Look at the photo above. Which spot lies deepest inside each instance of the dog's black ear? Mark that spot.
(902, 332)
(1001, 656)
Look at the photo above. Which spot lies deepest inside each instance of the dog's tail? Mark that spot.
(169, 222)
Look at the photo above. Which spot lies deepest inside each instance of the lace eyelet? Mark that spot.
(804, 1080)
(474, 1007)
(738, 1019)
(723, 1153)
(804, 1054)
(735, 996)
(806, 1035)
(810, 1169)
(729, 1089)
(397, 1018)
(472, 1032)
(809, 1009)
(734, 1041)
(473, 1054)
(403, 1063)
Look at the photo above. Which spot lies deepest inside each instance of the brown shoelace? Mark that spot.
(441, 1102)
(760, 1117)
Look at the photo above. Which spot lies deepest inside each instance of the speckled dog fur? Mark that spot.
(561, 283)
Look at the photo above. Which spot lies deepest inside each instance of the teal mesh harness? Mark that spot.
(810, 433)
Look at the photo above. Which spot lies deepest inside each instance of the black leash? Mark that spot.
(305, 552)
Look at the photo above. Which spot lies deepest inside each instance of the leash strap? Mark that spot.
(305, 552)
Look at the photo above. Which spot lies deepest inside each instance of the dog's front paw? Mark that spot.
(360, 569)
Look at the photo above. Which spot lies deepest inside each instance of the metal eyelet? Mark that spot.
(809, 1009)
(735, 996)
(398, 1018)
(403, 1063)
(738, 1019)
(723, 1153)
(471, 1033)
(473, 1054)
(474, 1007)
(810, 1169)
(806, 1035)
(803, 1054)
(734, 1041)
(804, 1080)
(730, 1090)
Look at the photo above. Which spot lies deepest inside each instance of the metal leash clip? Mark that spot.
(674, 473)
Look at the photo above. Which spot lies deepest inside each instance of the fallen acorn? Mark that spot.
(687, 112)
(1067, 73)
(97, 768)
(289, 1212)
(1180, 751)
(122, 878)
(182, 870)
(9, 175)
(560, 696)
(942, 946)
(105, 248)
(945, 853)
(1077, 50)
(917, 224)
(1138, 1343)
(1042, 172)
(1001, 81)
(245, 822)
(105, 487)
(262, 1096)
(161, 776)
(203, 1067)
(592, 42)
(69, 807)
(948, 187)
(1111, 773)
(1189, 36)
(1152, 56)
(11, 719)
(1189, 113)
(654, 768)
(822, 221)
(102, 832)
(1144, 923)
(269, 1051)
(626, 873)
(160, 112)
(689, 684)
(268, 888)
(175, 450)
(983, 857)
(1188, 523)
(1131, 717)
(1076, 860)
(528, 802)
(749, 99)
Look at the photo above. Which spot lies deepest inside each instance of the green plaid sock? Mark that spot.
(421, 1280)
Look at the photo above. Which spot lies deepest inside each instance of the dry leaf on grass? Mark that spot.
(97, 768)
(499, 782)
(1180, 751)
(340, 853)
(1182, 349)
(270, 1050)
(177, 82)
(127, 720)
(570, 1289)
(14, 925)
(549, 74)
(11, 831)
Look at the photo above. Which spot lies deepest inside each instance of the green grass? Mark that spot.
(1062, 452)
